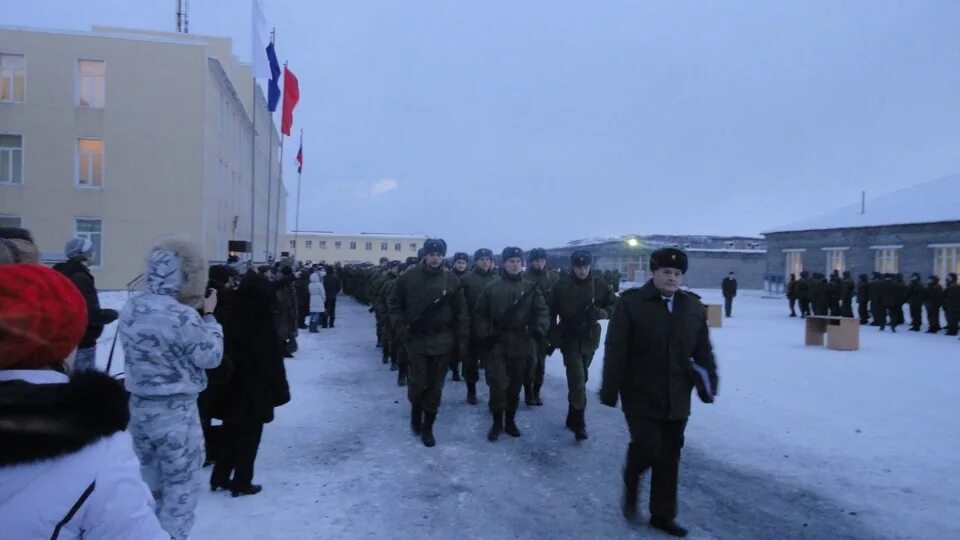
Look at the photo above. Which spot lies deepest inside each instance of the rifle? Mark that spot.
(508, 316)
(416, 324)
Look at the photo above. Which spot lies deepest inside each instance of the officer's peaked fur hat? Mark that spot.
(668, 258)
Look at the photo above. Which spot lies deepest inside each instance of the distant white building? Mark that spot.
(329, 247)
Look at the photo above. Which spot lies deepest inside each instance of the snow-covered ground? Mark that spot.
(802, 443)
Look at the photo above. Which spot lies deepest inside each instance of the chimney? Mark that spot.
(863, 202)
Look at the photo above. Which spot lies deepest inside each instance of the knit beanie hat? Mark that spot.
(43, 317)
(78, 248)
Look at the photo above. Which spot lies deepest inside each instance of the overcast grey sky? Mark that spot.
(539, 122)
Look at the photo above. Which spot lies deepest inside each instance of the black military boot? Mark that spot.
(528, 396)
(631, 483)
(385, 356)
(393, 365)
(536, 397)
(416, 419)
(510, 424)
(497, 428)
(402, 375)
(427, 436)
(569, 422)
(580, 425)
(332, 318)
(472, 393)
(323, 320)
(668, 526)
(456, 374)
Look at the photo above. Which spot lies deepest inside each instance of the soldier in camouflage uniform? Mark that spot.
(473, 284)
(509, 319)
(380, 307)
(168, 347)
(544, 280)
(579, 300)
(429, 313)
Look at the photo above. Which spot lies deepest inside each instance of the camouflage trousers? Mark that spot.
(427, 375)
(578, 368)
(505, 374)
(168, 440)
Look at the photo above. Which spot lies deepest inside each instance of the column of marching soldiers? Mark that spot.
(503, 322)
(880, 299)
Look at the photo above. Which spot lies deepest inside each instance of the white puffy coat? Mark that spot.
(37, 493)
(318, 295)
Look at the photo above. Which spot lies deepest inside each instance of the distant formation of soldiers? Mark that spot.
(880, 299)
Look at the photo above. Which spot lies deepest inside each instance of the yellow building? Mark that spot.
(124, 136)
(329, 247)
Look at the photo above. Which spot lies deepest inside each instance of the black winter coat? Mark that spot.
(729, 287)
(331, 285)
(647, 362)
(97, 318)
(259, 379)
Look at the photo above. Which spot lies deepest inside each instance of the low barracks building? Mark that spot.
(330, 248)
(913, 230)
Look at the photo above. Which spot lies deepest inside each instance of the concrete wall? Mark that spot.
(915, 255)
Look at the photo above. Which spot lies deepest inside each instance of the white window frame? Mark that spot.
(337, 244)
(797, 264)
(18, 217)
(24, 55)
(98, 262)
(77, 86)
(413, 246)
(22, 159)
(353, 245)
(308, 244)
(398, 246)
(384, 246)
(836, 255)
(368, 246)
(883, 255)
(944, 264)
(76, 164)
(293, 244)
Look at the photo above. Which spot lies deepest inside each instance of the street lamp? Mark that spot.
(633, 242)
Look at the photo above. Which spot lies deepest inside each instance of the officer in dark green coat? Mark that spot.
(544, 280)
(459, 269)
(657, 351)
(933, 301)
(951, 304)
(429, 313)
(510, 318)
(847, 290)
(578, 300)
(803, 293)
(916, 294)
(473, 284)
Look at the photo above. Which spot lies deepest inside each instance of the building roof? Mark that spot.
(930, 202)
(330, 234)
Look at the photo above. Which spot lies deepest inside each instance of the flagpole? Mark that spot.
(253, 165)
(296, 232)
(266, 252)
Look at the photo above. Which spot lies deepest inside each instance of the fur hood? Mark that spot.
(175, 267)
(44, 421)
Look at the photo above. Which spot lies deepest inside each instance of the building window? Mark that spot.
(397, 246)
(945, 261)
(91, 229)
(887, 260)
(90, 162)
(11, 159)
(383, 246)
(368, 246)
(322, 244)
(293, 244)
(413, 246)
(13, 77)
(353, 245)
(836, 260)
(308, 244)
(11, 221)
(794, 263)
(337, 244)
(91, 83)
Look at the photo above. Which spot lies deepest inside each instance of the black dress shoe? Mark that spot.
(215, 486)
(668, 526)
(252, 489)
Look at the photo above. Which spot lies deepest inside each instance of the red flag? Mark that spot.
(300, 159)
(291, 95)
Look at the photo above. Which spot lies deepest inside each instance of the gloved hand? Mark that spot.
(607, 398)
(108, 315)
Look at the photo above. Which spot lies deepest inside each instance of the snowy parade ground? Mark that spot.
(803, 442)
